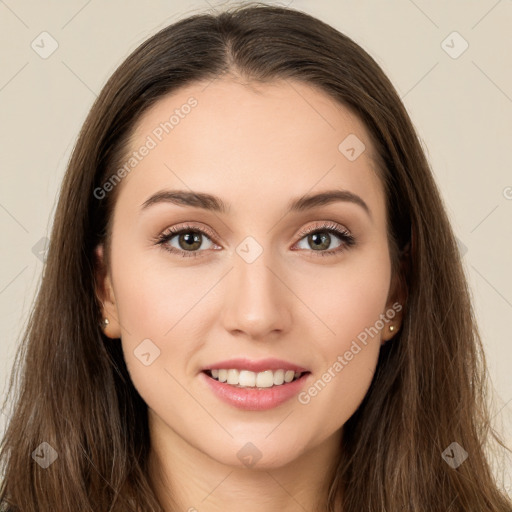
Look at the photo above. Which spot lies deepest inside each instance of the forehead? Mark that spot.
(245, 140)
(280, 109)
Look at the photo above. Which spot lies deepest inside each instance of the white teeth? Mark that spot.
(233, 376)
(265, 379)
(289, 375)
(248, 379)
(278, 377)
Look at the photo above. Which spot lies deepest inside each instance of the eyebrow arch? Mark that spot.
(216, 204)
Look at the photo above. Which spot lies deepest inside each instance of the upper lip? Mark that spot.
(259, 365)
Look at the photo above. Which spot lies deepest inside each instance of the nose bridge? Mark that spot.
(257, 302)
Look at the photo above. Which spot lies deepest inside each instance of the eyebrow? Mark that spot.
(216, 204)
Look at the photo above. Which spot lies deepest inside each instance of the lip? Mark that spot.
(254, 399)
(255, 366)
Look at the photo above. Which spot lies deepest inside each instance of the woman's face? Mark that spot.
(247, 281)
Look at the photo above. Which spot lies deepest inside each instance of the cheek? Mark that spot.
(346, 299)
(350, 303)
(154, 305)
(156, 297)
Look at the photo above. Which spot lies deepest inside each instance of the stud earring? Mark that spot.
(391, 328)
(105, 323)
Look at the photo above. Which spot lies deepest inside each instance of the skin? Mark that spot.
(257, 147)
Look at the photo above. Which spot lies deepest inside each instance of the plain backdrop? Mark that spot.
(450, 62)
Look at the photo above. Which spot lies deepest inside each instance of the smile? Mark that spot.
(249, 379)
(254, 391)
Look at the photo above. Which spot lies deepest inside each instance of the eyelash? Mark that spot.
(329, 227)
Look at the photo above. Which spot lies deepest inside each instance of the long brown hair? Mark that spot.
(430, 386)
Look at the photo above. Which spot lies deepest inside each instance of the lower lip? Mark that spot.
(255, 399)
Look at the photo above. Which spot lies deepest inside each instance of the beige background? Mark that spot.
(461, 107)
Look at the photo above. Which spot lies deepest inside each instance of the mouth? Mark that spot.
(255, 380)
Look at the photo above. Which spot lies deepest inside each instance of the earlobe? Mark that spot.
(390, 330)
(105, 295)
(395, 307)
(394, 315)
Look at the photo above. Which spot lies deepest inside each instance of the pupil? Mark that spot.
(191, 239)
(320, 239)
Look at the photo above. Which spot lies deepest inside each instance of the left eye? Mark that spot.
(321, 239)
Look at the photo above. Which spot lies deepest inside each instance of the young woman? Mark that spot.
(252, 298)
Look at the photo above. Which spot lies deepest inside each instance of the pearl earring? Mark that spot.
(105, 322)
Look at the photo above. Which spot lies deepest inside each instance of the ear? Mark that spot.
(105, 294)
(396, 302)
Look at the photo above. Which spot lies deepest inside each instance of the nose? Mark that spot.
(257, 302)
